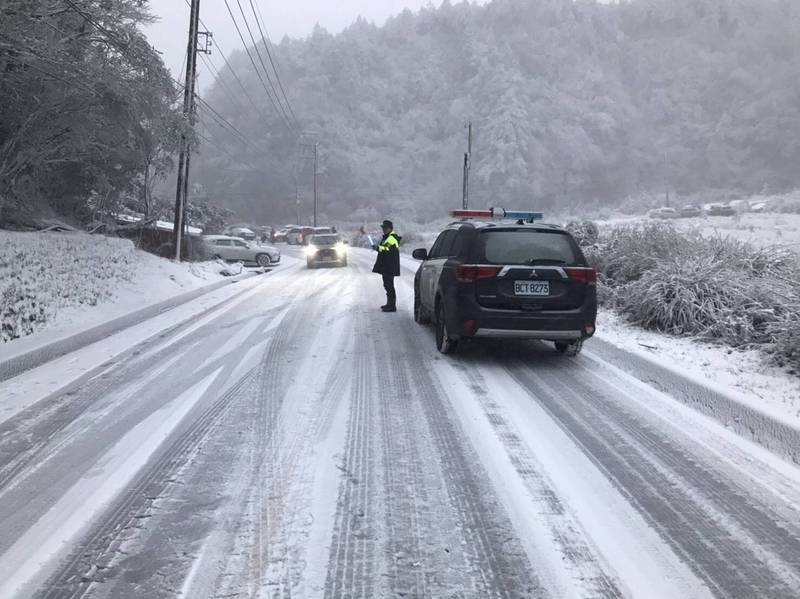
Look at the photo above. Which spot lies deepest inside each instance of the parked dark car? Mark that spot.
(690, 211)
(495, 280)
(665, 212)
(721, 210)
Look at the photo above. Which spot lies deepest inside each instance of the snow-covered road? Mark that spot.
(297, 442)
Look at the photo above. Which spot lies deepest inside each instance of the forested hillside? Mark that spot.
(88, 112)
(572, 103)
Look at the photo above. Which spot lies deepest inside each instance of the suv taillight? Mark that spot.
(469, 273)
(586, 275)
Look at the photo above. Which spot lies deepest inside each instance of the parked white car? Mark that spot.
(243, 232)
(664, 212)
(235, 249)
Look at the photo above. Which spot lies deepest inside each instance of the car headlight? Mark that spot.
(311, 250)
(340, 248)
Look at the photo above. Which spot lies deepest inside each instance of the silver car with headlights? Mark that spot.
(235, 249)
(326, 249)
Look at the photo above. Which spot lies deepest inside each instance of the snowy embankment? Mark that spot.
(54, 283)
(742, 375)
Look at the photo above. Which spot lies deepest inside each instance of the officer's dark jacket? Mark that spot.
(388, 260)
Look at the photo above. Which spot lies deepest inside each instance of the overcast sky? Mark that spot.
(295, 18)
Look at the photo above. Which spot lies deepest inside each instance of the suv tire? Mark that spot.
(444, 343)
(570, 349)
(420, 315)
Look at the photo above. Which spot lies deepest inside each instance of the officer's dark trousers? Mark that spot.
(388, 285)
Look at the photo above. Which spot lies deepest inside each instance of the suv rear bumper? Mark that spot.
(525, 334)
(466, 318)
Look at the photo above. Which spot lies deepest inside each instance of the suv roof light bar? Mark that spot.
(498, 213)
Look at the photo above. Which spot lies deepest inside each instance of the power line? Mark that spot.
(261, 58)
(226, 88)
(253, 62)
(225, 123)
(266, 42)
(228, 154)
(232, 72)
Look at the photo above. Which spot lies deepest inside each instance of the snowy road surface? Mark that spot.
(297, 442)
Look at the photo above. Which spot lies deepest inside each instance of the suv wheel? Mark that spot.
(571, 349)
(444, 343)
(420, 315)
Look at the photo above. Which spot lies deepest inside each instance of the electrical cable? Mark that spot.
(232, 72)
(258, 73)
(225, 124)
(261, 61)
(266, 42)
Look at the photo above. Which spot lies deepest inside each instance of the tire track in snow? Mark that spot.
(404, 495)
(75, 577)
(566, 533)
(151, 548)
(287, 484)
(24, 436)
(352, 570)
(496, 552)
(272, 464)
(710, 524)
(414, 430)
(425, 541)
(214, 512)
(73, 573)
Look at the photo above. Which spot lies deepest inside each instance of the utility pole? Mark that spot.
(467, 164)
(315, 183)
(666, 179)
(182, 191)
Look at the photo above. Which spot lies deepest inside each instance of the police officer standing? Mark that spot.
(387, 264)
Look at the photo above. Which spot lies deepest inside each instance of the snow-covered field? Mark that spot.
(767, 229)
(63, 281)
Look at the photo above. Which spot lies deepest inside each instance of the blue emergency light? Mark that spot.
(524, 215)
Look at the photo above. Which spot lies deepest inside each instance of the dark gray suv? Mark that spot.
(495, 280)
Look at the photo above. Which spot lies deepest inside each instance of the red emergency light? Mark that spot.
(472, 213)
(498, 213)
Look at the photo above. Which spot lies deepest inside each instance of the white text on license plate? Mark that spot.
(531, 288)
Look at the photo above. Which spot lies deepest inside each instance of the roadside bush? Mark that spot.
(714, 288)
(42, 273)
(586, 232)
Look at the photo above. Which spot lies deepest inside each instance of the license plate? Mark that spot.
(537, 288)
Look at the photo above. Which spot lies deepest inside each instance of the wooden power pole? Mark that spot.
(188, 114)
(315, 183)
(467, 165)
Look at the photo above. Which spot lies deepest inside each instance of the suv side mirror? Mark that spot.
(420, 254)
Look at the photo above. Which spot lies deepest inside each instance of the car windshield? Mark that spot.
(325, 239)
(527, 246)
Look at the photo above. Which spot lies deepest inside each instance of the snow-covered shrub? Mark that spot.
(585, 232)
(41, 273)
(714, 288)
(789, 206)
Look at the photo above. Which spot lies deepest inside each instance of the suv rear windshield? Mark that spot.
(527, 246)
